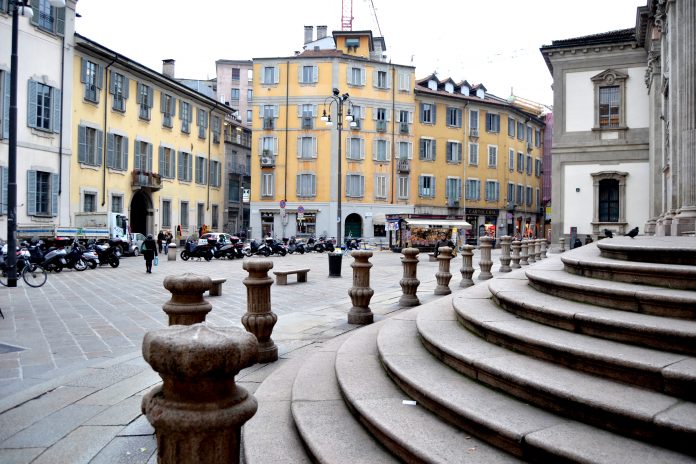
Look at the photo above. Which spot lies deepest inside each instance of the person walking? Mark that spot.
(160, 240)
(167, 241)
(149, 250)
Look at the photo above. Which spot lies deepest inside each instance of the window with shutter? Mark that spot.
(492, 156)
(473, 154)
(144, 99)
(403, 187)
(184, 214)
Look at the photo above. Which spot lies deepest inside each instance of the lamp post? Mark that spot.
(338, 99)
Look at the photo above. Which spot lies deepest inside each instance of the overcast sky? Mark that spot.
(494, 42)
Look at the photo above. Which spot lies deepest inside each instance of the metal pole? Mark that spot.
(12, 158)
(339, 220)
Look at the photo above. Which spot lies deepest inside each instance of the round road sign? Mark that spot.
(282, 203)
(300, 209)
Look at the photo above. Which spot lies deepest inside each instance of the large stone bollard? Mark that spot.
(544, 243)
(516, 245)
(187, 305)
(537, 250)
(361, 293)
(561, 244)
(409, 283)
(198, 410)
(524, 248)
(485, 261)
(259, 319)
(531, 259)
(443, 275)
(505, 253)
(467, 269)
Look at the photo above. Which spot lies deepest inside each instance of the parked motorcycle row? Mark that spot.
(68, 256)
(271, 246)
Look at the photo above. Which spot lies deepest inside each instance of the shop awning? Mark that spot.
(434, 223)
(378, 219)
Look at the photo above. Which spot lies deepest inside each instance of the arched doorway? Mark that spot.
(353, 226)
(141, 213)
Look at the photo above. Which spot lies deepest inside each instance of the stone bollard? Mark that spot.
(543, 249)
(524, 247)
(187, 305)
(561, 244)
(537, 249)
(467, 269)
(530, 251)
(485, 261)
(505, 253)
(515, 256)
(409, 283)
(443, 275)
(361, 293)
(259, 319)
(198, 410)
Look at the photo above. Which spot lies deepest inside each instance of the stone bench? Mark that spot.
(282, 276)
(216, 289)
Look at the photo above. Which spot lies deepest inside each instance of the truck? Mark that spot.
(111, 227)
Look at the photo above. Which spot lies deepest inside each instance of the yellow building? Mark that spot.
(295, 154)
(145, 145)
(478, 158)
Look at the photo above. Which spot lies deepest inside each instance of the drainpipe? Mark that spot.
(106, 136)
(287, 112)
(60, 129)
(210, 141)
(393, 161)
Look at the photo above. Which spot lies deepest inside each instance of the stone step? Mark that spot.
(501, 420)
(663, 372)
(666, 250)
(410, 431)
(328, 429)
(662, 333)
(588, 262)
(644, 299)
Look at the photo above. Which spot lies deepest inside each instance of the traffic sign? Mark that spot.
(282, 204)
(300, 209)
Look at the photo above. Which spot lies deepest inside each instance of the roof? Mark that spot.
(611, 37)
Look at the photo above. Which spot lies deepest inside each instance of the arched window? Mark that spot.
(609, 200)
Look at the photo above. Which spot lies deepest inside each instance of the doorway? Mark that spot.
(140, 212)
(353, 226)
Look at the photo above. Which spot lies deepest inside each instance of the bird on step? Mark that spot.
(632, 233)
(608, 233)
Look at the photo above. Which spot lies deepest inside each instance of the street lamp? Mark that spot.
(18, 7)
(338, 99)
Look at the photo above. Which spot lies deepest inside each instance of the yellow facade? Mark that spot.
(127, 160)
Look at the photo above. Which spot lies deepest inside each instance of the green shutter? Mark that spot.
(55, 107)
(99, 82)
(110, 150)
(81, 144)
(163, 102)
(31, 193)
(150, 97)
(55, 184)
(31, 110)
(6, 104)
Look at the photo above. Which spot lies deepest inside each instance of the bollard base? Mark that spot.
(268, 353)
(465, 283)
(442, 290)
(408, 301)
(485, 276)
(360, 316)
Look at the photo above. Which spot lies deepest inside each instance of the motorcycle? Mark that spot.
(53, 259)
(223, 250)
(74, 258)
(91, 258)
(327, 244)
(107, 253)
(256, 248)
(237, 247)
(192, 250)
(276, 247)
(313, 245)
(352, 243)
(296, 246)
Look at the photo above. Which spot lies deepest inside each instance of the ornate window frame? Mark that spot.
(610, 77)
(620, 226)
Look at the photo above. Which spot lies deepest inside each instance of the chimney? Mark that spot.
(321, 32)
(308, 34)
(168, 67)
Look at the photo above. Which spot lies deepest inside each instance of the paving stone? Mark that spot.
(122, 413)
(140, 426)
(127, 450)
(81, 446)
(126, 388)
(19, 456)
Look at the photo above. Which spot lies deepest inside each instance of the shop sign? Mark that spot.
(482, 211)
(266, 215)
(391, 225)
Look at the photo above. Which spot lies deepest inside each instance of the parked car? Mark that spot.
(136, 241)
(203, 240)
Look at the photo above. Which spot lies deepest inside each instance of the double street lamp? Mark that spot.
(339, 100)
(17, 7)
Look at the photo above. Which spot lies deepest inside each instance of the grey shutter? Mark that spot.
(81, 144)
(55, 183)
(112, 82)
(173, 106)
(315, 74)
(60, 20)
(190, 168)
(421, 181)
(31, 193)
(31, 111)
(4, 173)
(276, 74)
(83, 71)
(433, 146)
(421, 152)
(138, 96)
(110, 155)
(100, 147)
(126, 87)
(422, 112)
(138, 164)
(163, 102)
(35, 7)
(100, 77)
(181, 110)
(150, 97)
(6, 105)
(149, 157)
(161, 161)
(298, 185)
(125, 153)
(55, 107)
(434, 113)
(432, 185)
(180, 165)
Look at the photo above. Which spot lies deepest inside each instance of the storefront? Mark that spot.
(306, 224)
(267, 220)
(423, 233)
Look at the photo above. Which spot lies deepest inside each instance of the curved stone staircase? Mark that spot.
(589, 356)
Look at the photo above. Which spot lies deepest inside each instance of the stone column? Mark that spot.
(409, 283)
(187, 305)
(198, 410)
(515, 257)
(443, 274)
(505, 253)
(485, 261)
(467, 269)
(561, 244)
(361, 293)
(259, 319)
(530, 252)
(537, 249)
(542, 254)
(524, 249)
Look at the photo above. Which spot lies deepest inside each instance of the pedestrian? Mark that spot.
(149, 249)
(167, 240)
(160, 240)
(442, 242)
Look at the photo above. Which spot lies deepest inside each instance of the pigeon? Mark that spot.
(608, 233)
(632, 233)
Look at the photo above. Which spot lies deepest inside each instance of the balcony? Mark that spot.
(268, 123)
(403, 165)
(381, 126)
(144, 179)
(240, 169)
(473, 133)
(403, 128)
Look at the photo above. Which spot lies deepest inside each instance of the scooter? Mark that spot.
(352, 243)
(223, 250)
(106, 253)
(276, 247)
(256, 248)
(327, 244)
(313, 245)
(192, 250)
(54, 260)
(74, 258)
(295, 245)
(237, 247)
